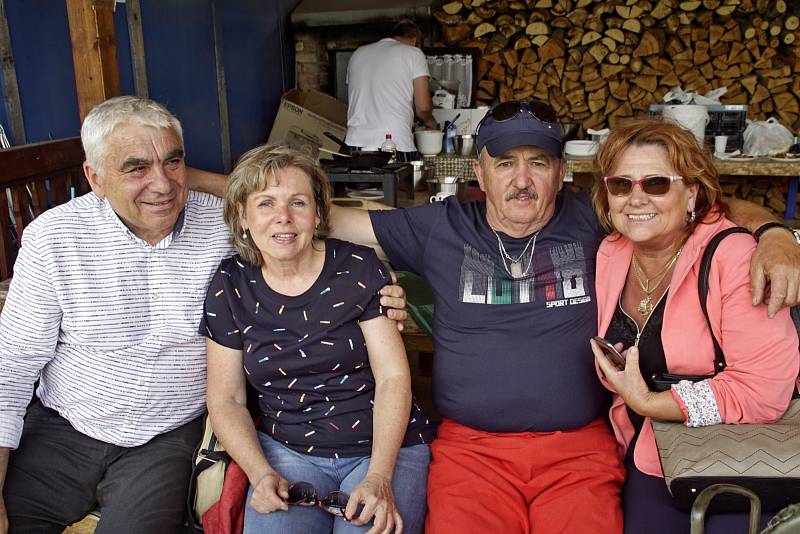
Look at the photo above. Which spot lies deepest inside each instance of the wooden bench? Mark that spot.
(33, 179)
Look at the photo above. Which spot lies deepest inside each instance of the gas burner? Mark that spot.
(334, 168)
(387, 177)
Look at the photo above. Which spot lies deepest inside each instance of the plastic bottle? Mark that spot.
(389, 146)
(449, 138)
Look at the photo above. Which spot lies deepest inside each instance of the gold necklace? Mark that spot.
(646, 305)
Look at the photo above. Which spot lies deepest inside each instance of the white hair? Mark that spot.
(104, 117)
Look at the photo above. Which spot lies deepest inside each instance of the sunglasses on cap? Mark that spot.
(305, 494)
(621, 186)
(506, 111)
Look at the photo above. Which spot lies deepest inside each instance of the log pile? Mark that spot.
(769, 192)
(600, 61)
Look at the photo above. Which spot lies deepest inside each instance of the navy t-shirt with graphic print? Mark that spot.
(512, 353)
(305, 355)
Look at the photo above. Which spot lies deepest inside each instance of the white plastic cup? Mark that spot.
(720, 144)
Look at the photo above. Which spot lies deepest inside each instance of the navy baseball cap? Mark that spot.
(522, 129)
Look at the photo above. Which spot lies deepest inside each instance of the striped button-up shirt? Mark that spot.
(108, 322)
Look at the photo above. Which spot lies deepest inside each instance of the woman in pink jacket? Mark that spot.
(659, 198)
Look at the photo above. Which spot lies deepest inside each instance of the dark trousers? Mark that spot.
(58, 475)
(649, 508)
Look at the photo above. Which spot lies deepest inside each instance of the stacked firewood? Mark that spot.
(599, 61)
(766, 191)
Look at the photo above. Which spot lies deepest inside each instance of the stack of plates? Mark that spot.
(580, 148)
(366, 194)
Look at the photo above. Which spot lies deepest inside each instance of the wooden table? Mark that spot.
(414, 339)
(756, 167)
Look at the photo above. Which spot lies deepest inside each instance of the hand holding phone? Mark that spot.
(611, 353)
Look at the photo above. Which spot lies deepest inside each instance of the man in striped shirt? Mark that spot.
(104, 307)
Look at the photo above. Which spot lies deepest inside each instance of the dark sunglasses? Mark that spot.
(305, 494)
(621, 186)
(506, 111)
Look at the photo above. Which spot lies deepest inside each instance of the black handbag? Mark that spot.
(764, 458)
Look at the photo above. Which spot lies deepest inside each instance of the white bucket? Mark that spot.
(690, 116)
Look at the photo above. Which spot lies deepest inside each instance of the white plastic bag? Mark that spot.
(766, 138)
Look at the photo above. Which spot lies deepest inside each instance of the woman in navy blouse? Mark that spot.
(296, 317)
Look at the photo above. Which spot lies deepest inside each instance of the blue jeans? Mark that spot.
(409, 483)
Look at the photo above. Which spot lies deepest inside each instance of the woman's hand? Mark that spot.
(270, 494)
(628, 383)
(375, 492)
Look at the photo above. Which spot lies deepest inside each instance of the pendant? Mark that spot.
(516, 270)
(645, 306)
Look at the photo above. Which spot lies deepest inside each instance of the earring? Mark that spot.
(690, 216)
(244, 235)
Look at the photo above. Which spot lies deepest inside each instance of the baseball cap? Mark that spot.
(522, 129)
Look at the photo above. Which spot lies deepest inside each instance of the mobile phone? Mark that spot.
(612, 353)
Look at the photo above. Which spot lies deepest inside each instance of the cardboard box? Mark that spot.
(304, 116)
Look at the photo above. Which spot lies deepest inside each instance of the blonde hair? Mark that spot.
(253, 173)
(683, 151)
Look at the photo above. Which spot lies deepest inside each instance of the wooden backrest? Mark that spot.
(33, 179)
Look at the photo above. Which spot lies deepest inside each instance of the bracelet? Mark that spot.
(767, 226)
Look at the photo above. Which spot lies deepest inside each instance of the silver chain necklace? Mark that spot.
(515, 271)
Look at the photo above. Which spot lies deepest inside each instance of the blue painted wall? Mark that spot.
(123, 50)
(43, 60)
(254, 70)
(179, 52)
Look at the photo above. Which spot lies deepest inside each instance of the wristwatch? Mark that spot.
(764, 227)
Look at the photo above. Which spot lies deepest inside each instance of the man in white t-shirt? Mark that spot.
(387, 86)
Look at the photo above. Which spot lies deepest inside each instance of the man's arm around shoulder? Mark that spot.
(355, 225)
(206, 181)
(776, 260)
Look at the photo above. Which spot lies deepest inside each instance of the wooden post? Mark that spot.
(137, 47)
(94, 51)
(10, 88)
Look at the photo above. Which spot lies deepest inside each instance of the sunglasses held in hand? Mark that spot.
(335, 502)
(621, 186)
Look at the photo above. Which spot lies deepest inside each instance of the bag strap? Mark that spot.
(702, 289)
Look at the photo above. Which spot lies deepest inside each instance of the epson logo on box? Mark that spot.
(294, 108)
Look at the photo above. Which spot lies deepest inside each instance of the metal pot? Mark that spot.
(458, 188)
(422, 173)
(464, 145)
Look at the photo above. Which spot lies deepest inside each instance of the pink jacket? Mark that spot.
(761, 353)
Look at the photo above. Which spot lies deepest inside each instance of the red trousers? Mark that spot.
(524, 482)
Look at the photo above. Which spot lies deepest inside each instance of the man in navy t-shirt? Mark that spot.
(523, 445)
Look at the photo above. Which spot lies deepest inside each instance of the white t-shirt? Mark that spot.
(380, 84)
